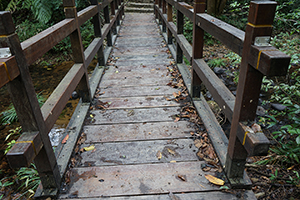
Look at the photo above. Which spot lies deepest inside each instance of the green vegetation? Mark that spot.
(12, 132)
(283, 125)
(34, 16)
(26, 181)
(9, 116)
(218, 62)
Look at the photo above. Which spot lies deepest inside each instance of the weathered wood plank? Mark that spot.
(211, 195)
(165, 62)
(138, 179)
(136, 91)
(139, 152)
(150, 73)
(138, 131)
(139, 102)
(134, 81)
(137, 67)
(161, 56)
(124, 51)
(140, 42)
(134, 115)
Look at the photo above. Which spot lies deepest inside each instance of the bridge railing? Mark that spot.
(36, 122)
(258, 60)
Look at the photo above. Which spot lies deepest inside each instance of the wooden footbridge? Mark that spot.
(127, 138)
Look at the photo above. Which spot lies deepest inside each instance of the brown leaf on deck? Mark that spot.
(182, 177)
(214, 180)
(65, 139)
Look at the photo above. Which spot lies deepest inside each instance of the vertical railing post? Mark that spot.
(180, 24)
(198, 42)
(155, 12)
(113, 13)
(24, 99)
(98, 33)
(117, 8)
(107, 21)
(164, 11)
(83, 87)
(159, 17)
(170, 19)
(260, 20)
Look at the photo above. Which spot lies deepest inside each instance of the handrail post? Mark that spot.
(260, 20)
(164, 11)
(180, 24)
(83, 87)
(113, 13)
(159, 17)
(24, 99)
(198, 42)
(155, 12)
(98, 33)
(170, 19)
(107, 21)
(117, 7)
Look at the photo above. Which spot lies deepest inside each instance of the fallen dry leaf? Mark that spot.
(65, 139)
(158, 155)
(182, 177)
(214, 180)
(197, 143)
(171, 151)
(89, 148)
(177, 119)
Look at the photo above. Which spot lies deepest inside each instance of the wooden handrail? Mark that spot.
(265, 61)
(34, 144)
(56, 33)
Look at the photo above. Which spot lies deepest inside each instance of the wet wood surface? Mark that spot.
(138, 149)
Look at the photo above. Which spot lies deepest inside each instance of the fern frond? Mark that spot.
(41, 10)
(12, 5)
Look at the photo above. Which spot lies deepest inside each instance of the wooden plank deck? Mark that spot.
(137, 124)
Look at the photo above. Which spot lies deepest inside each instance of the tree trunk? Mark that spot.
(215, 7)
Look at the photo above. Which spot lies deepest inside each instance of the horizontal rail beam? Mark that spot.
(271, 59)
(24, 150)
(60, 96)
(8, 72)
(255, 143)
(36, 46)
(180, 39)
(86, 14)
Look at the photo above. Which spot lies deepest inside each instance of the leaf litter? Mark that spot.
(201, 140)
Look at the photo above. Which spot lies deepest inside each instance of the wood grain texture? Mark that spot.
(12, 69)
(138, 179)
(24, 150)
(137, 131)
